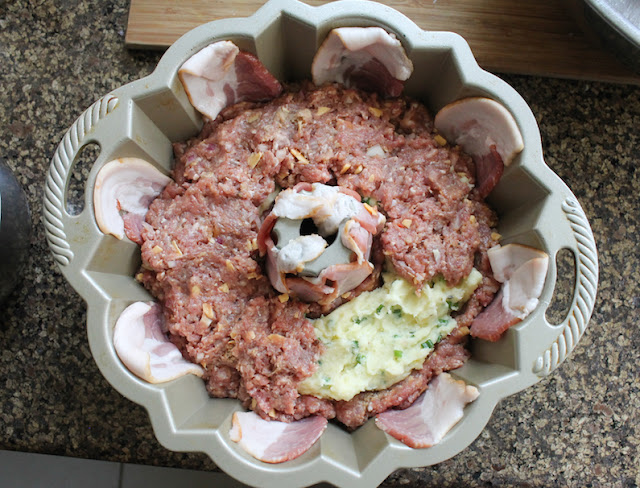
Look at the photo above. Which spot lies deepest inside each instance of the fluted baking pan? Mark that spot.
(143, 118)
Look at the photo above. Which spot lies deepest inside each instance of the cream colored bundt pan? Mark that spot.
(143, 118)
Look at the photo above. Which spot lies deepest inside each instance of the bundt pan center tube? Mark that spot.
(143, 118)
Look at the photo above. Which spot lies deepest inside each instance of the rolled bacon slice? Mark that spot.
(522, 270)
(486, 131)
(368, 58)
(144, 349)
(122, 193)
(328, 207)
(432, 415)
(220, 75)
(343, 278)
(272, 441)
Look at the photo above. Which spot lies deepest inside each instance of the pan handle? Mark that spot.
(55, 214)
(584, 294)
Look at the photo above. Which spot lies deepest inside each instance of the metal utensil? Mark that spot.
(15, 230)
(614, 23)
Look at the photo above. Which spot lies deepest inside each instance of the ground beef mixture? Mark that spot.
(200, 256)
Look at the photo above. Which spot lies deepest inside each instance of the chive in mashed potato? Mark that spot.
(378, 338)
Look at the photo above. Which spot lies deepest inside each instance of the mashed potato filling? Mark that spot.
(377, 339)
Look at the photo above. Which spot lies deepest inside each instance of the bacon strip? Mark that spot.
(432, 415)
(122, 193)
(494, 320)
(328, 207)
(368, 58)
(133, 224)
(144, 349)
(374, 76)
(486, 131)
(489, 169)
(356, 238)
(522, 270)
(272, 441)
(220, 75)
(345, 277)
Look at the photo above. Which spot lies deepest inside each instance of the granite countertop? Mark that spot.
(578, 427)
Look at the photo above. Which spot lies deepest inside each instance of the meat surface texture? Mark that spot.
(200, 254)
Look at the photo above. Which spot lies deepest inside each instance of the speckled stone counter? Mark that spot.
(578, 427)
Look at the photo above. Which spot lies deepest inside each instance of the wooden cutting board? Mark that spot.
(536, 37)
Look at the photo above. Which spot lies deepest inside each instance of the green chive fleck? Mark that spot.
(360, 358)
(428, 343)
(453, 306)
(397, 310)
(379, 309)
(397, 353)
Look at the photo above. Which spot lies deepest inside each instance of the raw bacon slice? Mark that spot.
(486, 131)
(522, 289)
(373, 76)
(276, 277)
(126, 187)
(489, 169)
(310, 292)
(220, 75)
(143, 347)
(477, 123)
(264, 234)
(368, 58)
(356, 238)
(133, 225)
(272, 441)
(255, 83)
(432, 415)
(347, 276)
(522, 270)
(494, 320)
(506, 259)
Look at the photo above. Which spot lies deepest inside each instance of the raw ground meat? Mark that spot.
(200, 256)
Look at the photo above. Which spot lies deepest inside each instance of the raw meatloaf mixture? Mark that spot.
(201, 259)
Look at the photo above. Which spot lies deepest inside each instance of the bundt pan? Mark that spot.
(143, 118)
